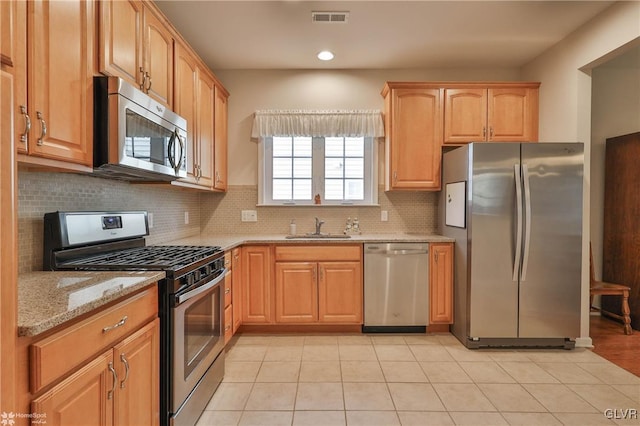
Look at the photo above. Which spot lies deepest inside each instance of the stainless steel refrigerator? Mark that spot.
(515, 211)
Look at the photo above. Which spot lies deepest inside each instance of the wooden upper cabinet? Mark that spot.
(186, 72)
(206, 128)
(465, 117)
(498, 112)
(220, 139)
(136, 44)
(441, 283)
(121, 40)
(60, 79)
(413, 117)
(513, 114)
(157, 58)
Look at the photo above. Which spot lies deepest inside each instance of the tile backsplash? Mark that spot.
(39, 193)
(209, 213)
(411, 212)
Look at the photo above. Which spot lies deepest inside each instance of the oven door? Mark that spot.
(197, 336)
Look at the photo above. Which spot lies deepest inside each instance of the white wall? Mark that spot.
(565, 97)
(313, 89)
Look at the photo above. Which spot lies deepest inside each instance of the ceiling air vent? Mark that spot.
(330, 17)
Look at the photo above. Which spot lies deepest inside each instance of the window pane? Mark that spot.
(282, 167)
(282, 146)
(354, 167)
(282, 189)
(333, 189)
(302, 167)
(302, 146)
(354, 147)
(333, 167)
(333, 147)
(354, 189)
(302, 189)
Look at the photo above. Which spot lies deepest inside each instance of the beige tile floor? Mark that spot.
(415, 380)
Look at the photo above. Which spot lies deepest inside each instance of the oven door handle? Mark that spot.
(193, 293)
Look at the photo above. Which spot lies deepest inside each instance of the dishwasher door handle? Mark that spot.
(397, 252)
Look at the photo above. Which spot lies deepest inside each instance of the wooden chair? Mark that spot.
(609, 289)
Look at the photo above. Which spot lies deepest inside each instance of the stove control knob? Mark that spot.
(190, 280)
(208, 270)
(197, 275)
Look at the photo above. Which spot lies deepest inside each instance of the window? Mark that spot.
(294, 169)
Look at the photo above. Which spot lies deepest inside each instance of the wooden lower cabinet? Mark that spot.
(296, 292)
(236, 288)
(340, 291)
(118, 387)
(441, 283)
(256, 280)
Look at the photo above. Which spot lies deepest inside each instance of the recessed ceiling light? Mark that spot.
(325, 55)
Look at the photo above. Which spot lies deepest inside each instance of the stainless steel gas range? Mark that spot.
(191, 299)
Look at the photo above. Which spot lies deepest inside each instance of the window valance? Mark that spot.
(343, 123)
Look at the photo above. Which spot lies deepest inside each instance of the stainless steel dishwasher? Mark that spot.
(396, 287)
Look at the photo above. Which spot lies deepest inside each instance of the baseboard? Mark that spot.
(584, 342)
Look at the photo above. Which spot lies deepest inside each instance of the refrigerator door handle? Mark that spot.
(518, 252)
(527, 221)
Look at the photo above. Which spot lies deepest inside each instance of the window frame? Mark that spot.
(265, 175)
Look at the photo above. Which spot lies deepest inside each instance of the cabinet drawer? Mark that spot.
(63, 351)
(317, 253)
(228, 323)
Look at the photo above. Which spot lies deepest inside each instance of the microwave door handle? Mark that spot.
(182, 152)
(170, 155)
(193, 293)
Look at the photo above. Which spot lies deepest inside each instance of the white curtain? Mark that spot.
(366, 123)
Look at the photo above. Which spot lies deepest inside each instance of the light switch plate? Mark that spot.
(150, 220)
(186, 218)
(249, 216)
(384, 216)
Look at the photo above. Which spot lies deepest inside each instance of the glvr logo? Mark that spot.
(621, 413)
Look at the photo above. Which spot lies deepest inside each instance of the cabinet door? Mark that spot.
(340, 292)
(256, 284)
(121, 39)
(60, 79)
(13, 57)
(138, 366)
(220, 143)
(158, 58)
(415, 134)
(206, 136)
(441, 283)
(86, 398)
(513, 114)
(465, 115)
(236, 289)
(185, 105)
(296, 292)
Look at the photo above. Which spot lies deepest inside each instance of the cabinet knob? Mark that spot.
(115, 381)
(124, 360)
(43, 126)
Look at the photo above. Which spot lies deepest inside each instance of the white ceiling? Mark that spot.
(379, 35)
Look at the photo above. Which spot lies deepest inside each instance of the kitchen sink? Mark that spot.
(318, 236)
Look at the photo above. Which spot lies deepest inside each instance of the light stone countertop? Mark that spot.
(228, 242)
(47, 299)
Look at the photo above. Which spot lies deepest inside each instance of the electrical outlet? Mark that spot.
(249, 216)
(150, 219)
(384, 216)
(186, 218)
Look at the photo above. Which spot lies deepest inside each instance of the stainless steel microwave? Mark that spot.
(135, 137)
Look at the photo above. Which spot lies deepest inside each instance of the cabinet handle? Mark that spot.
(227, 328)
(315, 274)
(43, 125)
(436, 256)
(227, 290)
(217, 177)
(115, 381)
(484, 132)
(116, 325)
(126, 370)
(395, 177)
(27, 124)
(144, 79)
(321, 273)
(149, 77)
(490, 132)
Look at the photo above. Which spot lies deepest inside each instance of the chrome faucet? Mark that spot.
(318, 225)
